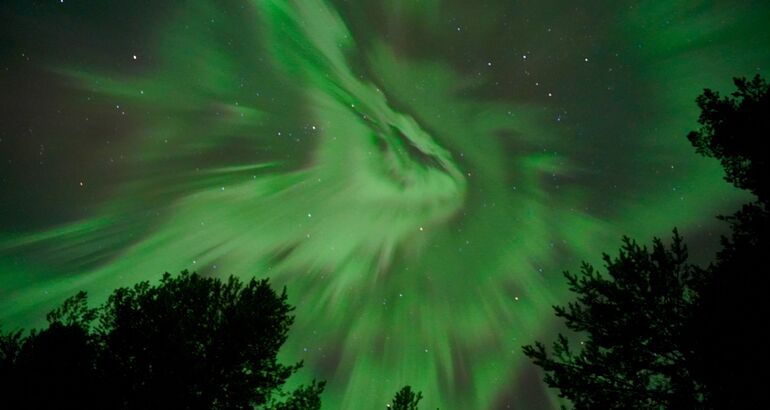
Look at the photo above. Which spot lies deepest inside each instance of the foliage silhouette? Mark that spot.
(52, 368)
(406, 399)
(659, 332)
(190, 342)
(731, 131)
(636, 353)
(732, 304)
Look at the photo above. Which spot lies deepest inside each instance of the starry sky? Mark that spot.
(416, 173)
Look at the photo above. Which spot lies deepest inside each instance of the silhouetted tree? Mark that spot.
(190, 342)
(636, 351)
(733, 129)
(733, 303)
(53, 367)
(10, 345)
(406, 399)
(660, 333)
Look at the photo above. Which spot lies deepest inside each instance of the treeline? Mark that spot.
(189, 342)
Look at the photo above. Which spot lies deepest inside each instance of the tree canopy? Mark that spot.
(190, 342)
(636, 352)
(656, 332)
(406, 399)
(733, 306)
(732, 128)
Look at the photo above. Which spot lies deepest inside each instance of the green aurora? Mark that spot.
(417, 173)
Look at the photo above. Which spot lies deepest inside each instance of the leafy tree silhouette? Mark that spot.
(190, 342)
(731, 131)
(51, 368)
(659, 332)
(406, 399)
(637, 352)
(733, 306)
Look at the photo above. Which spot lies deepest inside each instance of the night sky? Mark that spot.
(418, 174)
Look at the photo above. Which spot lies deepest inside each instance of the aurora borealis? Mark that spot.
(416, 173)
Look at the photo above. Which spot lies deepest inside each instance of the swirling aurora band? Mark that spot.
(416, 179)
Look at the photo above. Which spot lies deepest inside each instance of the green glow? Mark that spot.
(419, 226)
